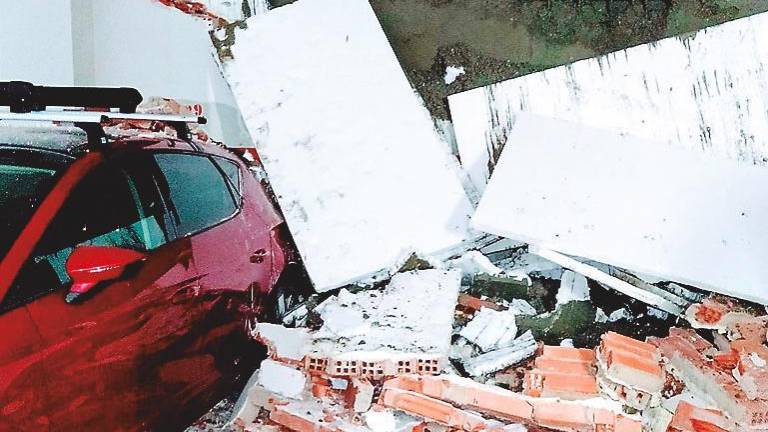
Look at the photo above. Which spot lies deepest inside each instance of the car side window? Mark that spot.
(107, 208)
(198, 195)
(231, 169)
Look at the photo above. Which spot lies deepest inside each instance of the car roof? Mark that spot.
(66, 139)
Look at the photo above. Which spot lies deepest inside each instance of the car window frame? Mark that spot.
(237, 198)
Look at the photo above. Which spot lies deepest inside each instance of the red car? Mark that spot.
(129, 264)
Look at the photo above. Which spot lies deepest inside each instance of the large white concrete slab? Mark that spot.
(704, 92)
(350, 150)
(655, 208)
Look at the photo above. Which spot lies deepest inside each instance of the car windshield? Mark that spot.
(22, 187)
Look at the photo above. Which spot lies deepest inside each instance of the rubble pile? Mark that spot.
(454, 348)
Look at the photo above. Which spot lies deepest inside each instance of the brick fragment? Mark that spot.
(433, 409)
(630, 362)
(465, 393)
(685, 353)
(690, 418)
(473, 304)
(298, 423)
(564, 372)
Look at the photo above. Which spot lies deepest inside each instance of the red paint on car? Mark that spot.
(130, 319)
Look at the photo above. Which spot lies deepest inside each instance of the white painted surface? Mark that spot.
(573, 287)
(287, 343)
(394, 319)
(359, 170)
(704, 92)
(629, 202)
(36, 41)
(282, 379)
(490, 329)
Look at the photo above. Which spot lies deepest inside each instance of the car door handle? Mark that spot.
(258, 256)
(185, 294)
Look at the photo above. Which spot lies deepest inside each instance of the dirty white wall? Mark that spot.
(36, 41)
(704, 92)
(143, 44)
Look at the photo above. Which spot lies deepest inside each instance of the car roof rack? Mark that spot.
(28, 102)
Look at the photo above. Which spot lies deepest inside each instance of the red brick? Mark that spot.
(690, 418)
(475, 304)
(296, 423)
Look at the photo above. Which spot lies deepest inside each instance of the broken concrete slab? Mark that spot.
(703, 92)
(687, 224)
(361, 184)
(518, 350)
(395, 319)
(282, 379)
(490, 329)
(283, 342)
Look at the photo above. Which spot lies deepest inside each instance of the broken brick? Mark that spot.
(562, 372)
(685, 352)
(474, 304)
(630, 362)
(433, 409)
(690, 418)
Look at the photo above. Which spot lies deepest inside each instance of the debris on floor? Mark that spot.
(454, 349)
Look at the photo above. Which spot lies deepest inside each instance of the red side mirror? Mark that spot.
(88, 266)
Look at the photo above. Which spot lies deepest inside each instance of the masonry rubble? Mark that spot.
(452, 348)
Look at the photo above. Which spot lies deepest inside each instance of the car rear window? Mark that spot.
(198, 193)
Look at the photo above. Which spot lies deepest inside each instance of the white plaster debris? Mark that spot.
(232, 10)
(521, 307)
(344, 322)
(453, 72)
(521, 348)
(702, 92)
(395, 319)
(490, 329)
(600, 316)
(660, 314)
(573, 287)
(531, 264)
(474, 263)
(282, 379)
(757, 360)
(360, 183)
(388, 420)
(288, 343)
(620, 314)
(363, 395)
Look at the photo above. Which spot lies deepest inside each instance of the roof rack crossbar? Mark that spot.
(24, 97)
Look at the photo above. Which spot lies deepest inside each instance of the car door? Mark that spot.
(230, 241)
(22, 379)
(135, 355)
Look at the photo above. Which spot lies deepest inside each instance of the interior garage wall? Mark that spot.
(159, 50)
